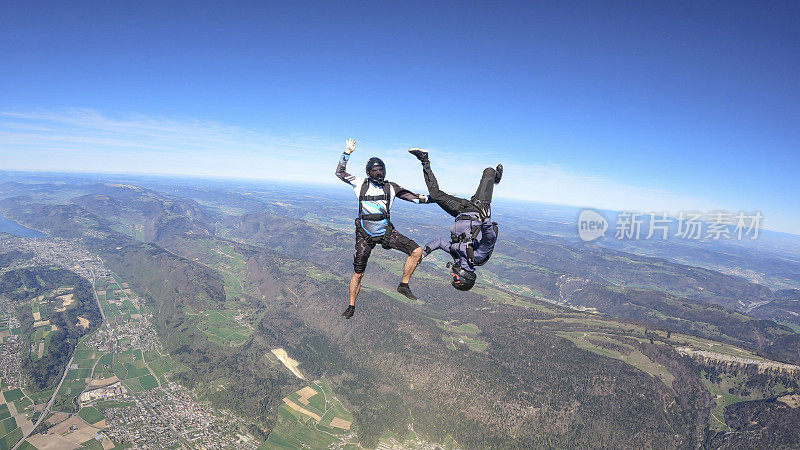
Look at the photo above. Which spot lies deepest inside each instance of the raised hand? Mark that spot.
(350, 146)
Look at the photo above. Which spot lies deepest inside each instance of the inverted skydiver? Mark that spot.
(373, 225)
(473, 235)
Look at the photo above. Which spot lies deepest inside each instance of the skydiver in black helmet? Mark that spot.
(373, 225)
(473, 235)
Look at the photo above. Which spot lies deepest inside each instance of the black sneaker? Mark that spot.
(498, 173)
(348, 313)
(405, 290)
(421, 154)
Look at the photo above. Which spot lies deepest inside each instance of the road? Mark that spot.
(46, 409)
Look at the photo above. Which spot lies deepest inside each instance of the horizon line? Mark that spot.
(308, 182)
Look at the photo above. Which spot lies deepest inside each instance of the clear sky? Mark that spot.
(634, 105)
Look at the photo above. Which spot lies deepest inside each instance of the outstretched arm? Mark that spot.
(341, 168)
(405, 194)
(439, 244)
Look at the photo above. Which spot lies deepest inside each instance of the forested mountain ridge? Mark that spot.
(38, 284)
(491, 367)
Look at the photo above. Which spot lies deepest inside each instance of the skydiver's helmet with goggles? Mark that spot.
(376, 175)
(463, 280)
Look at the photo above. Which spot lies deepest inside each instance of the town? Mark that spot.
(115, 388)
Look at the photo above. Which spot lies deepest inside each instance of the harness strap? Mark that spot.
(470, 254)
(465, 217)
(362, 197)
(474, 230)
(373, 240)
(373, 217)
(374, 197)
(463, 238)
(460, 238)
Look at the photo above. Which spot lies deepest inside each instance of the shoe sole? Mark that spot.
(411, 297)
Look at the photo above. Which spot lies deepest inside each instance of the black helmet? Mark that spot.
(463, 280)
(376, 162)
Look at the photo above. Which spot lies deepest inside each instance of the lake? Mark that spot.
(11, 227)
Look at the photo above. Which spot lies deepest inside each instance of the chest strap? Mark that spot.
(362, 197)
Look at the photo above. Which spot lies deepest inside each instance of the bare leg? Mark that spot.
(355, 286)
(408, 269)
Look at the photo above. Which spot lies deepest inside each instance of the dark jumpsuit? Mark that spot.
(483, 244)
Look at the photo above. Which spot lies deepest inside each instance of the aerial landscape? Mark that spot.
(161, 316)
(176, 249)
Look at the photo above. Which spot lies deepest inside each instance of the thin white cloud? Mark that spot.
(89, 141)
(84, 140)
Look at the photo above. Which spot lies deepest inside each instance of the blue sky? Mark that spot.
(618, 105)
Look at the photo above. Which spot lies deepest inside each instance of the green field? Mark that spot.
(115, 303)
(78, 374)
(129, 356)
(42, 334)
(88, 359)
(106, 360)
(721, 392)
(160, 365)
(41, 397)
(463, 334)
(476, 345)
(294, 429)
(7, 426)
(22, 403)
(84, 353)
(221, 328)
(12, 395)
(26, 446)
(494, 295)
(72, 388)
(629, 355)
(136, 370)
(133, 384)
(120, 371)
(291, 432)
(10, 439)
(148, 382)
(91, 414)
(467, 328)
(102, 405)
